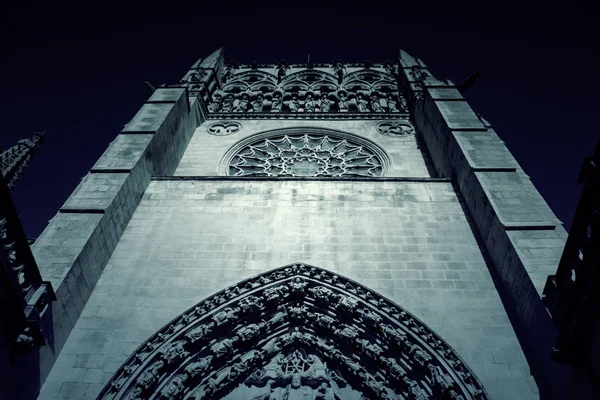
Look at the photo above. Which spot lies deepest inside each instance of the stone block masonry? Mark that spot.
(74, 248)
(520, 233)
(187, 239)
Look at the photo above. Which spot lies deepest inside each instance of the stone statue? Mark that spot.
(199, 332)
(295, 390)
(347, 332)
(324, 104)
(242, 104)
(249, 331)
(309, 103)
(174, 388)
(136, 394)
(441, 379)
(375, 103)
(279, 317)
(361, 103)
(174, 351)
(276, 102)
(224, 346)
(228, 103)
(195, 368)
(294, 104)
(325, 392)
(342, 102)
(297, 285)
(257, 105)
(150, 376)
(215, 106)
(392, 103)
(369, 316)
(417, 353)
(226, 315)
(414, 390)
(394, 368)
(251, 303)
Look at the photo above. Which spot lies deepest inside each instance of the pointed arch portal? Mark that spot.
(296, 332)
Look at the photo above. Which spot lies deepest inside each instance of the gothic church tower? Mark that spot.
(296, 231)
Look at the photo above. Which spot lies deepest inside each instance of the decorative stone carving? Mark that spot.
(306, 155)
(395, 128)
(224, 128)
(199, 366)
(302, 344)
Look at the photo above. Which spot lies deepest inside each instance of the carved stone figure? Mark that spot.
(452, 395)
(394, 368)
(347, 332)
(298, 312)
(346, 303)
(242, 104)
(414, 390)
(197, 367)
(257, 105)
(226, 315)
(361, 103)
(375, 103)
(391, 103)
(325, 392)
(199, 332)
(273, 346)
(417, 354)
(295, 390)
(135, 394)
(394, 335)
(309, 103)
(324, 104)
(279, 317)
(275, 293)
(322, 320)
(294, 104)
(174, 351)
(369, 316)
(373, 384)
(441, 379)
(224, 346)
(215, 106)
(354, 366)
(250, 304)
(250, 331)
(342, 102)
(297, 285)
(371, 349)
(228, 103)
(276, 102)
(321, 293)
(150, 376)
(174, 388)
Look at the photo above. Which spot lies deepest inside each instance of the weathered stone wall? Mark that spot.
(73, 249)
(205, 151)
(187, 239)
(520, 233)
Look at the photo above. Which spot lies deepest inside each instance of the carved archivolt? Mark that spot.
(396, 128)
(308, 91)
(296, 332)
(224, 128)
(301, 154)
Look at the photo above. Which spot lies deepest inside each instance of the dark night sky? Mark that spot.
(78, 72)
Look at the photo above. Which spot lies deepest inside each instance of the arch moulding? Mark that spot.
(296, 332)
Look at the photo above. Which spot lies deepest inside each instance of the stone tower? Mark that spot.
(322, 231)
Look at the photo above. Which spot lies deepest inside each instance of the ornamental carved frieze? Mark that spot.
(261, 94)
(296, 332)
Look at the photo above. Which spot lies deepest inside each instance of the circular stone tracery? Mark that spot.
(307, 155)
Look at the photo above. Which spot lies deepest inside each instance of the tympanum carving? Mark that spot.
(294, 340)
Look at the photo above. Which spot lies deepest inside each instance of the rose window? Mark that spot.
(304, 155)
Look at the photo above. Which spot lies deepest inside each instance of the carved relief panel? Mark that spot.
(297, 332)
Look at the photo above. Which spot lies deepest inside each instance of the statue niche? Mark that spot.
(295, 333)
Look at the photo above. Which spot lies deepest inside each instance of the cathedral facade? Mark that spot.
(303, 231)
